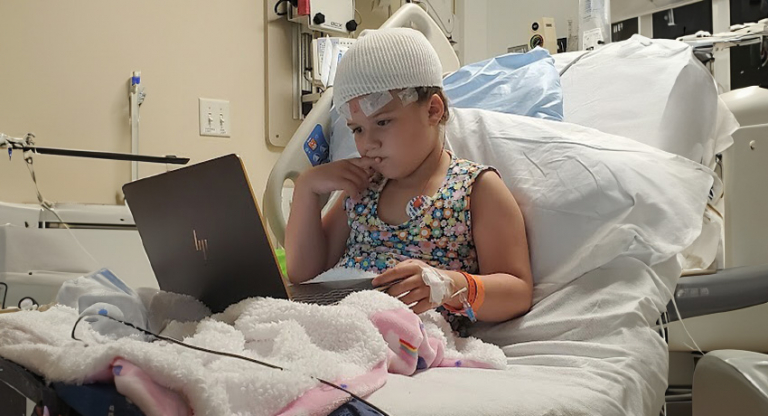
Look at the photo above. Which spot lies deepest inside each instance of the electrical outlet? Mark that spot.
(215, 118)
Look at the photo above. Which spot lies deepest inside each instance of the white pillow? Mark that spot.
(651, 90)
(587, 197)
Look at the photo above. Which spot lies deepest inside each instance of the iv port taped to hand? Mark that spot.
(440, 285)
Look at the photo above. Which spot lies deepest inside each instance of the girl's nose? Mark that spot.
(370, 143)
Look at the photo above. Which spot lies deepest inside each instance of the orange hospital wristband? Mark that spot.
(477, 302)
(476, 287)
(475, 296)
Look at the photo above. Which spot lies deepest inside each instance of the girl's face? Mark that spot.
(397, 137)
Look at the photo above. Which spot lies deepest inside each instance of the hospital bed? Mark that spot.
(555, 366)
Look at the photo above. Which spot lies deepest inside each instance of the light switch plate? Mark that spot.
(215, 119)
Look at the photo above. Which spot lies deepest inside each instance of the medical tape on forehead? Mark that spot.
(374, 102)
(408, 96)
(344, 111)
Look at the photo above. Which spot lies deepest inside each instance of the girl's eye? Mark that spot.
(382, 123)
(356, 130)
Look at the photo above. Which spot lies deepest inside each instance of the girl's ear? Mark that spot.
(436, 109)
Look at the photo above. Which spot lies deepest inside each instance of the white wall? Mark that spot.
(64, 72)
(510, 21)
(471, 30)
(721, 22)
(489, 27)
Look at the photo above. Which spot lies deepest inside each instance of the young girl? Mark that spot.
(405, 212)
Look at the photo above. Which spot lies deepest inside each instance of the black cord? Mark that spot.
(226, 354)
(279, 2)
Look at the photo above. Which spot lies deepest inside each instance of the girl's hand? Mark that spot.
(407, 285)
(349, 175)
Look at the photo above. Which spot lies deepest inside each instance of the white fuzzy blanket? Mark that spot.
(338, 343)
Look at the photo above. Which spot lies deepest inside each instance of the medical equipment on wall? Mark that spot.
(314, 20)
(326, 54)
(136, 95)
(543, 34)
(323, 15)
(594, 23)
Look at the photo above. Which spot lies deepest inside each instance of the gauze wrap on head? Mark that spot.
(440, 285)
(385, 60)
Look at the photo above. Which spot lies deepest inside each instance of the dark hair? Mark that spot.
(426, 93)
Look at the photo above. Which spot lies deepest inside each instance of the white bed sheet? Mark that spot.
(587, 349)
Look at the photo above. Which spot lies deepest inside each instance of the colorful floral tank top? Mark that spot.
(439, 231)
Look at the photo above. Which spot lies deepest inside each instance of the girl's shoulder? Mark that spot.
(467, 170)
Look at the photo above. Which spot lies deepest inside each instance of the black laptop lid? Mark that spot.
(204, 235)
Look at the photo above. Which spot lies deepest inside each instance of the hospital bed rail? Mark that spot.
(724, 291)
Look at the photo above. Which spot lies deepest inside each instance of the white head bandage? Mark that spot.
(385, 60)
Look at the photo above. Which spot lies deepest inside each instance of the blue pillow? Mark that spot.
(525, 84)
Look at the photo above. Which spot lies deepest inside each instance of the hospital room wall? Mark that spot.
(64, 76)
(489, 27)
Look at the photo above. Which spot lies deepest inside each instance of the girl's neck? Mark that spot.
(420, 177)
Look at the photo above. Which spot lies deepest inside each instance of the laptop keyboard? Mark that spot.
(324, 298)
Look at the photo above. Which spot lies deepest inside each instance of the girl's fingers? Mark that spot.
(422, 306)
(416, 295)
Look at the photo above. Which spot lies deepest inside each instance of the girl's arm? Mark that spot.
(314, 244)
(502, 250)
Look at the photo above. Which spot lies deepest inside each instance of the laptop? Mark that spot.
(205, 237)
